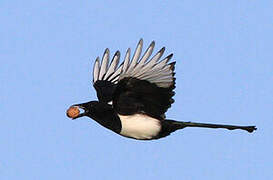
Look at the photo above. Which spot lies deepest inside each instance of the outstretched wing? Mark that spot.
(145, 86)
(138, 85)
(161, 73)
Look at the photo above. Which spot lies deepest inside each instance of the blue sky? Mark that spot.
(224, 74)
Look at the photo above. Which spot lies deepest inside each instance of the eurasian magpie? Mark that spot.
(134, 96)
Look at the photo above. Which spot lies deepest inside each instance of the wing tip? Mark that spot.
(140, 42)
(152, 43)
(172, 66)
(170, 56)
(162, 50)
(106, 51)
(117, 53)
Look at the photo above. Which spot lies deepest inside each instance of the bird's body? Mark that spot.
(134, 96)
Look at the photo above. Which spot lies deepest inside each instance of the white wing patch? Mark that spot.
(155, 71)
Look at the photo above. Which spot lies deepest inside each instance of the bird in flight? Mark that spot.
(134, 96)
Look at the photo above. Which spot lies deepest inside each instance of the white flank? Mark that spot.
(139, 126)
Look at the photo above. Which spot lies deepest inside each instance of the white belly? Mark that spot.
(139, 126)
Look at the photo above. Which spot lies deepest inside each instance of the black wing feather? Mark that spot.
(105, 90)
(138, 85)
(140, 96)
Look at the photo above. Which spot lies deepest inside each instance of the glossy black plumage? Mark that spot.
(135, 95)
(140, 96)
(105, 90)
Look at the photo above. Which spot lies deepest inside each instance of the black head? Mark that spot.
(101, 112)
(84, 109)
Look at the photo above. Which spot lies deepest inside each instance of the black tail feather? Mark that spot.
(169, 126)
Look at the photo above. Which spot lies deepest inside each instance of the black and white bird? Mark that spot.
(134, 96)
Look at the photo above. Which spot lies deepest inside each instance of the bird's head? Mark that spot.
(79, 110)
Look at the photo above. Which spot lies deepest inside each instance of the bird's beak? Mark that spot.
(83, 111)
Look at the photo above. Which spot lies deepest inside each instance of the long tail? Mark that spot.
(175, 125)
